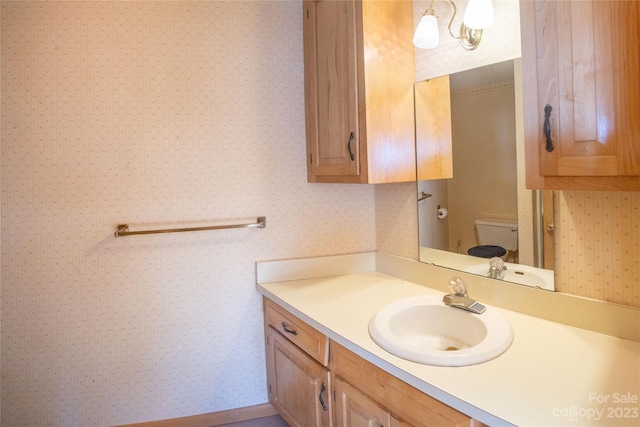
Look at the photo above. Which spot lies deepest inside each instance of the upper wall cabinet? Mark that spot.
(434, 139)
(359, 74)
(581, 81)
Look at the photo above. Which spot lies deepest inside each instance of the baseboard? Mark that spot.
(213, 418)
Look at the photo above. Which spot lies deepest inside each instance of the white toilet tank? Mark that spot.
(498, 232)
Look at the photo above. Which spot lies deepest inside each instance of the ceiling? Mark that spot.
(481, 77)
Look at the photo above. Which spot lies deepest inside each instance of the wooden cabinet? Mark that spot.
(299, 385)
(352, 392)
(312, 342)
(359, 74)
(434, 139)
(409, 406)
(397, 422)
(581, 82)
(354, 409)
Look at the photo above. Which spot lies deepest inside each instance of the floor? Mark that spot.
(272, 421)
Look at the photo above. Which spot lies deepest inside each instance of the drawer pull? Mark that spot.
(321, 397)
(287, 330)
(547, 128)
(351, 155)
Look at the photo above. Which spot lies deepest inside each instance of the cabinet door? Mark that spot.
(354, 409)
(406, 402)
(434, 144)
(397, 422)
(588, 85)
(299, 387)
(330, 89)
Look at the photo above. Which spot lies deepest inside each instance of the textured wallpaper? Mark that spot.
(397, 219)
(484, 183)
(597, 245)
(153, 114)
(500, 42)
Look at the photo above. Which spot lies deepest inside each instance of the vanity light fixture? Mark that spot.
(477, 16)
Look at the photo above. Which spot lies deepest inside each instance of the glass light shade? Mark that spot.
(478, 14)
(427, 35)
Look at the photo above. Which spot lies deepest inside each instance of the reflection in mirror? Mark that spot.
(466, 145)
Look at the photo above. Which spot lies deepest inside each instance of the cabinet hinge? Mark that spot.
(311, 158)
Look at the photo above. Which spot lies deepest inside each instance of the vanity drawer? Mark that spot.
(406, 402)
(314, 343)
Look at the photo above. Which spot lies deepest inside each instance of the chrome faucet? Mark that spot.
(497, 269)
(460, 299)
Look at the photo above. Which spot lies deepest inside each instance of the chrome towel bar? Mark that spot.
(123, 229)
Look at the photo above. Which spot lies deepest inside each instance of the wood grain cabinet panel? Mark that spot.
(582, 94)
(408, 404)
(359, 74)
(354, 409)
(397, 422)
(434, 139)
(299, 387)
(312, 342)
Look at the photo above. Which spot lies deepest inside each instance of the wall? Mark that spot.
(597, 245)
(397, 219)
(500, 42)
(526, 238)
(433, 231)
(484, 181)
(155, 114)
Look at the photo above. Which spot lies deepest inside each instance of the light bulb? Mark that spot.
(478, 14)
(427, 35)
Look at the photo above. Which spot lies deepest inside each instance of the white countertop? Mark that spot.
(552, 375)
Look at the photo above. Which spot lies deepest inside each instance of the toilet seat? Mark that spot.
(487, 251)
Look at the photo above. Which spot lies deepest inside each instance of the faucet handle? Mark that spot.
(496, 262)
(458, 286)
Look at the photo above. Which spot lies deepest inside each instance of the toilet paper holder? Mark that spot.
(441, 213)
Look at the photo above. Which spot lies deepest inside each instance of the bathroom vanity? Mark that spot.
(311, 378)
(553, 374)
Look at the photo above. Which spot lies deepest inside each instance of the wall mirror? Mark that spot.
(471, 178)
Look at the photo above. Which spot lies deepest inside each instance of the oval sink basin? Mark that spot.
(424, 330)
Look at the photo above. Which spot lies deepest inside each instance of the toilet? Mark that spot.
(496, 237)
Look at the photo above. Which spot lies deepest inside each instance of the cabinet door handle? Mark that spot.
(351, 136)
(321, 397)
(547, 127)
(288, 330)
